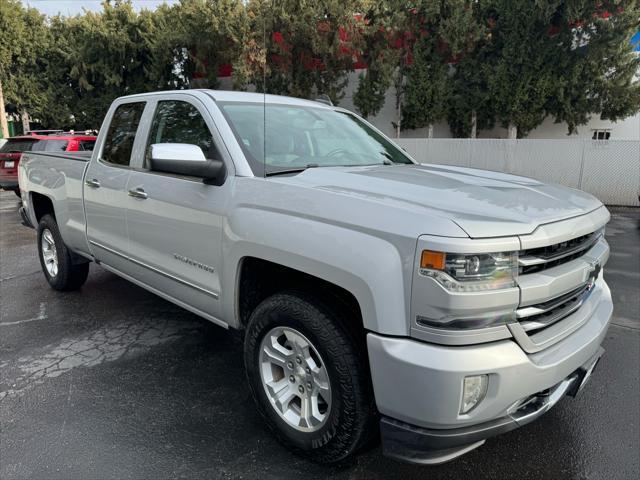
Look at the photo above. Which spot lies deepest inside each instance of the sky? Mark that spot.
(73, 7)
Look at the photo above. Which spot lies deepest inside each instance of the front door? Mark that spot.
(105, 194)
(175, 222)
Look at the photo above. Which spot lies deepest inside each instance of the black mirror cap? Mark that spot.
(212, 172)
(217, 173)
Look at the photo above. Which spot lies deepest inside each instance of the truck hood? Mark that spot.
(482, 203)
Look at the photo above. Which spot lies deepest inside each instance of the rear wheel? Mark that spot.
(308, 377)
(55, 258)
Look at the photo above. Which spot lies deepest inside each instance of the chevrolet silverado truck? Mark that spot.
(433, 306)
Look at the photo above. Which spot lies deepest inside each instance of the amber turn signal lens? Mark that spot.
(432, 260)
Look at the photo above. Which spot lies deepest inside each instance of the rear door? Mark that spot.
(105, 194)
(175, 222)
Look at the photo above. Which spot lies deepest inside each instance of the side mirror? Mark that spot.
(186, 159)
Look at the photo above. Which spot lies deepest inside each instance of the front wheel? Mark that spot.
(309, 377)
(55, 258)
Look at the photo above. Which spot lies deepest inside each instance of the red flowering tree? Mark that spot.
(412, 45)
(309, 46)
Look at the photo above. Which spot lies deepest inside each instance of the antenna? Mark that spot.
(324, 98)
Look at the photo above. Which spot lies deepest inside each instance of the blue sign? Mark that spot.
(635, 41)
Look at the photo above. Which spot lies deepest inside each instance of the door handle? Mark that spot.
(138, 193)
(93, 183)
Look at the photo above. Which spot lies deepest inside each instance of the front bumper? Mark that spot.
(418, 386)
(432, 446)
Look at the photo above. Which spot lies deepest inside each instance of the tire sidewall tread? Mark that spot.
(70, 276)
(352, 405)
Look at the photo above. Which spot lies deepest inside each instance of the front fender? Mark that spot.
(375, 270)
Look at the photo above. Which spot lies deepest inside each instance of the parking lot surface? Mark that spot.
(114, 382)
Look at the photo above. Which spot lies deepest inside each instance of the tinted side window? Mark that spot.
(86, 145)
(180, 122)
(17, 146)
(122, 133)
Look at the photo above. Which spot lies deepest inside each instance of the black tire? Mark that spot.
(352, 420)
(69, 276)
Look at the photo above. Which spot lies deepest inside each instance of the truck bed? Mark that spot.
(59, 177)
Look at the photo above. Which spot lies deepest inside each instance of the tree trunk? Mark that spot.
(430, 131)
(4, 127)
(474, 122)
(512, 132)
(24, 116)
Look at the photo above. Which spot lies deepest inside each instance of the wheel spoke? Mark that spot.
(275, 356)
(306, 415)
(293, 340)
(283, 397)
(315, 409)
(48, 237)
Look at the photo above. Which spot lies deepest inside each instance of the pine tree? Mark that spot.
(24, 39)
(595, 66)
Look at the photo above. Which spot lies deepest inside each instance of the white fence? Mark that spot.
(610, 169)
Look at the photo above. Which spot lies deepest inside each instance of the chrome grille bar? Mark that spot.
(545, 314)
(540, 258)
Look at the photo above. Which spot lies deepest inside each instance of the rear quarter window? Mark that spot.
(17, 146)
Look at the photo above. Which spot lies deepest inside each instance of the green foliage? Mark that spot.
(24, 38)
(103, 57)
(427, 89)
(594, 66)
(565, 59)
(384, 51)
(412, 45)
(507, 62)
(193, 38)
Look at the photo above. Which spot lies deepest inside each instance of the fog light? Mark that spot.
(473, 392)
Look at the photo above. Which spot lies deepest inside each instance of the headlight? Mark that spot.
(471, 273)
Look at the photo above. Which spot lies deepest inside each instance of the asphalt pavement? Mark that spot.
(112, 382)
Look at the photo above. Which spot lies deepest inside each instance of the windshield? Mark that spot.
(298, 137)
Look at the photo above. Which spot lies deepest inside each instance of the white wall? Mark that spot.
(627, 129)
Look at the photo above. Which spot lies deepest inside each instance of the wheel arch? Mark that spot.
(378, 301)
(41, 205)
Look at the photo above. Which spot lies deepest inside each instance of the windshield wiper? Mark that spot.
(388, 160)
(290, 170)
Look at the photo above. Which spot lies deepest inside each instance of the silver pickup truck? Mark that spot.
(438, 306)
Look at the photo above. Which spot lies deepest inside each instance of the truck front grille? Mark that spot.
(543, 315)
(538, 259)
